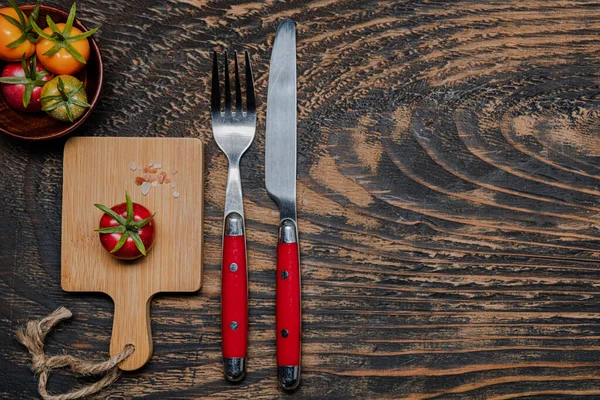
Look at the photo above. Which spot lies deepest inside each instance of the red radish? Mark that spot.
(22, 83)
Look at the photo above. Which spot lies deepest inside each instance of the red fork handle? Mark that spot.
(288, 309)
(234, 298)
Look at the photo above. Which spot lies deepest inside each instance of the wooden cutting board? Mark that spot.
(98, 170)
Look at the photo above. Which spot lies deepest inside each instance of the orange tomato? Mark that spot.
(8, 34)
(62, 62)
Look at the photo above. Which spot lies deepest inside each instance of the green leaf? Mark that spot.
(129, 204)
(76, 55)
(52, 106)
(110, 212)
(14, 80)
(18, 11)
(70, 19)
(50, 98)
(57, 37)
(61, 88)
(112, 229)
(75, 89)
(51, 24)
(144, 222)
(27, 94)
(69, 112)
(80, 103)
(121, 242)
(82, 36)
(54, 49)
(12, 21)
(31, 71)
(18, 42)
(138, 242)
(24, 64)
(33, 37)
(34, 14)
(40, 32)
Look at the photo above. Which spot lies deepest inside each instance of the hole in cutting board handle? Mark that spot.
(131, 325)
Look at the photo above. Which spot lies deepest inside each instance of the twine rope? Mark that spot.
(33, 335)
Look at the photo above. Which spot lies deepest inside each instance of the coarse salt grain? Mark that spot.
(155, 183)
(145, 188)
(140, 168)
(174, 184)
(132, 166)
(151, 163)
(176, 194)
(157, 165)
(174, 171)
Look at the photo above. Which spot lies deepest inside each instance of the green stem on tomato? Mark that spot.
(26, 27)
(63, 39)
(65, 98)
(127, 226)
(31, 79)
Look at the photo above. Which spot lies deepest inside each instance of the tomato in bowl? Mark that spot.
(40, 126)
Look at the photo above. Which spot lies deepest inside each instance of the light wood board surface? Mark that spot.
(98, 170)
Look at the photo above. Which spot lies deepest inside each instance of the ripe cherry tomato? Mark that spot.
(10, 33)
(22, 83)
(127, 234)
(64, 98)
(62, 48)
(62, 62)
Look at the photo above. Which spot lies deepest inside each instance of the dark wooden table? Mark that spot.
(449, 170)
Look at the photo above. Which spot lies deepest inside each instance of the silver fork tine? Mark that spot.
(250, 100)
(238, 90)
(227, 86)
(215, 95)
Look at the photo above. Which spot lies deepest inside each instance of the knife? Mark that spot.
(280, 179)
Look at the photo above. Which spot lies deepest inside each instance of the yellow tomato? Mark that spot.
(62, 62)
(8, 34)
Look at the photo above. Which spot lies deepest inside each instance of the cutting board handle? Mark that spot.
(131, 325)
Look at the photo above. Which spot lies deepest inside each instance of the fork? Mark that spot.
(233, 131)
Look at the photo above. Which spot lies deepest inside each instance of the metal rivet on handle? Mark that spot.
(284, 333)
(233, 267)
(233, 326)
(284, 275)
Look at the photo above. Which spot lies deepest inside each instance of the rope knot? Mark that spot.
(38, 363)
(33, 337)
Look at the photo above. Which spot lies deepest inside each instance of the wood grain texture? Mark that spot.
(448, 185)
(97, 171)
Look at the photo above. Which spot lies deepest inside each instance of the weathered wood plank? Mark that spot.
(448, 184)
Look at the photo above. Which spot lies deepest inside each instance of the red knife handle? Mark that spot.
(234, 298)
(288, 310)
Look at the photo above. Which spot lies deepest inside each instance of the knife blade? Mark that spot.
(280, 179)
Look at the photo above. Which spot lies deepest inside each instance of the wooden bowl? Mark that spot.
(40, 126)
